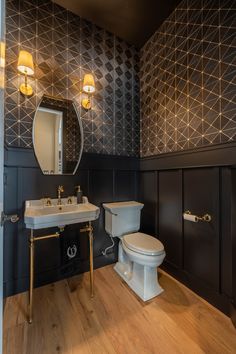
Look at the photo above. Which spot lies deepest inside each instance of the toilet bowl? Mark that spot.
(143, 249)
(139, 254)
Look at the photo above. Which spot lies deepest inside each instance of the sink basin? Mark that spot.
(39, 216)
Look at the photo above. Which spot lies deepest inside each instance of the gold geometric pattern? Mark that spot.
(188, 79)
(64, 48)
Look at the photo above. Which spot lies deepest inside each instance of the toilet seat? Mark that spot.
(143, 244)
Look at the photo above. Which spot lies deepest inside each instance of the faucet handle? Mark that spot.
(48, 202)
(70, 200)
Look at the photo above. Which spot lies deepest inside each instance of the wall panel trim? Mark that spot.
(217, 155)
(23, 157)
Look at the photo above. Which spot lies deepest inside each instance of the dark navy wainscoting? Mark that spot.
(198, 254)
(233, 307)
(203, 180)
(102, 179)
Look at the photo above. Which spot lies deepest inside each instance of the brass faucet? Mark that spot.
(59, 191)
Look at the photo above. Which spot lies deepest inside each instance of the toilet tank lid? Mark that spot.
(114, 207)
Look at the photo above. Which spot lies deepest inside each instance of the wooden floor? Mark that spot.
(67, 321)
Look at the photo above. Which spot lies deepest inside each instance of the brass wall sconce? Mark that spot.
(2, 64)
(89, 88)
(25, 66)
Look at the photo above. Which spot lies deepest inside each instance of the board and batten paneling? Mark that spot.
(233, 307)
(170, 215)
(125, 185)
(198, 254)
(149, 197)
(201, 239)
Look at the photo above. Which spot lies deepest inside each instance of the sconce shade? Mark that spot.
(25, 63)
(89, 84)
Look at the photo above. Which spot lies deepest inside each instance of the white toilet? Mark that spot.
(139, 254)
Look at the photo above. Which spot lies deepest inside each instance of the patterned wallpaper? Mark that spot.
(188, 79)
(64, 48)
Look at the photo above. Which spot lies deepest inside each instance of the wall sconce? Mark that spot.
(89, 88)
(25, 66)
(2, 64)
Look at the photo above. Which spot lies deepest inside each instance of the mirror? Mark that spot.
(57, 136)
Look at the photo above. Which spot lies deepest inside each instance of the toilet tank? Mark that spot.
(122, 217)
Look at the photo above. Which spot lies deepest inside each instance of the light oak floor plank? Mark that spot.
(68, 321)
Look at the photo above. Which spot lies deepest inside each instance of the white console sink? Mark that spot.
(40, 216)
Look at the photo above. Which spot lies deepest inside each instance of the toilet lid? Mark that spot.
(143, 243)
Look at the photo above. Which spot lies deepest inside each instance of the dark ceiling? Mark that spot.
(133, 20)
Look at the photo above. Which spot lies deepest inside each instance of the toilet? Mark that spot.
(139, 254)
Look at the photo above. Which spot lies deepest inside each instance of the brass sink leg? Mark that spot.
(32, 241)
(88, 228)
(31, 245)
(91, 259)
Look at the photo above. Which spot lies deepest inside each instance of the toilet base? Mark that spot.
(140, 278)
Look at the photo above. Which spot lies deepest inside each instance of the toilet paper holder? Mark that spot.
(205, 217)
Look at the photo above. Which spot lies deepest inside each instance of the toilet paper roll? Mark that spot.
(190, 217)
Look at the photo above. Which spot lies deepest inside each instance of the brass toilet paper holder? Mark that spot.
(205, 217)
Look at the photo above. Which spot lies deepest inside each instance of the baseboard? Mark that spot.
(233, 313)
(20, 285)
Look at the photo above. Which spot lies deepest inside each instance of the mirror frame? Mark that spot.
(81, 131)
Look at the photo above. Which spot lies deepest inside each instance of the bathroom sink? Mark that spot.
(38, 215)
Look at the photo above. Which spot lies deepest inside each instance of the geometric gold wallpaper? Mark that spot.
(64, 48)
(188, 79)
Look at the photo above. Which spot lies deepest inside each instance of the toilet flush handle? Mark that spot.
(112, 212)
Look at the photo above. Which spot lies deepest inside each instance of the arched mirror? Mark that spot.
(57, 136)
